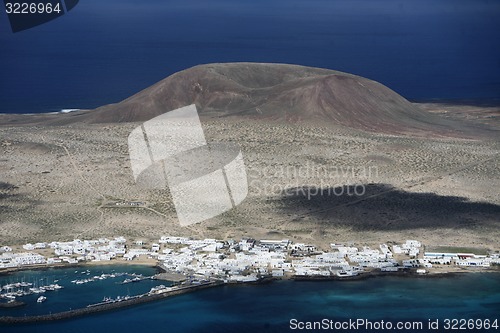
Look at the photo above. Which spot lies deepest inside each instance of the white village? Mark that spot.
(247, 260)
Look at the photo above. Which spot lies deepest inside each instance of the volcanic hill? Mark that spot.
(279, 92)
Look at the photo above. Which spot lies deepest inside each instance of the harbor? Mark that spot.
(41, 285)
(112, 304)
(11, 291)
(276, 299)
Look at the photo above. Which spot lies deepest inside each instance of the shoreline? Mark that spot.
(8, 271)
(147, 298)
(433, 272)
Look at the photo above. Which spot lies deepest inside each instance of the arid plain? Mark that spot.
(326, 180)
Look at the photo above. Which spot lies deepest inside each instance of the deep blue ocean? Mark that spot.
(104, 51)
(260, 308)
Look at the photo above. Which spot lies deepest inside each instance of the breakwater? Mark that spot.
(102, 307)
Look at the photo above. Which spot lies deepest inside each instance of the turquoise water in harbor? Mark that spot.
(270, 307)
(73, 295)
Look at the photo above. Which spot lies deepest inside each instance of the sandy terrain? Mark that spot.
(55, 182)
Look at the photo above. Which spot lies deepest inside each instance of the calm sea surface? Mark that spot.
(259, 308)
(103, 51)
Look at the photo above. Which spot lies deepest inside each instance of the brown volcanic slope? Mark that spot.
(280, 92)
(277, 92)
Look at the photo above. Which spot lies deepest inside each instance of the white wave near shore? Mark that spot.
(64, 111)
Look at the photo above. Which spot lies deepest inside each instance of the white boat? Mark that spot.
(41, 299)
(37, 290)
(345, 273)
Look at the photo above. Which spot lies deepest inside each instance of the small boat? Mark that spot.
(346, 273)
(41, 299)
(37, 290)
